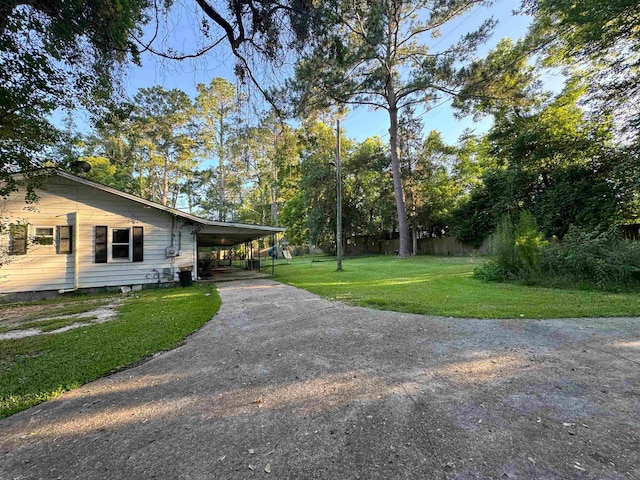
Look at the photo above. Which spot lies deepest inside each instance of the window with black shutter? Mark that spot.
(19, 236)
(101, 244)
(65, 242)
(138, 244)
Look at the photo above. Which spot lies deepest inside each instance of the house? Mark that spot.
(81, 234)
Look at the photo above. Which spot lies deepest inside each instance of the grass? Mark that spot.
(38, 368)
(444, 286)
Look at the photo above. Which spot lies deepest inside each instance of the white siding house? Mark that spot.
(81, 234)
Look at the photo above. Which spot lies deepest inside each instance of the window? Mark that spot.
(65, 242)
(120, 243)
(18, 234)
(123, 243)
(43, 236)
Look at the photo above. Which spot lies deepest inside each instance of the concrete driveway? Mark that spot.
(283, 384)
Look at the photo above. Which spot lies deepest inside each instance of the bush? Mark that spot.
(603, 260)
(516, 251)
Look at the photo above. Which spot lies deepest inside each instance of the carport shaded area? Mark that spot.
(224, 236)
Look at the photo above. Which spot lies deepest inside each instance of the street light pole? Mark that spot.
(338, 202)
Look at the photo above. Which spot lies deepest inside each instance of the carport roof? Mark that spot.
(228, 234)
(210, 233)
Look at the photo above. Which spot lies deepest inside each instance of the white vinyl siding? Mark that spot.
(45, 270)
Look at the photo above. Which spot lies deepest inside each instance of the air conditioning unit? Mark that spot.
(171, 252)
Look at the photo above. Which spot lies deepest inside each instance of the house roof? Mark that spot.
(210, 233)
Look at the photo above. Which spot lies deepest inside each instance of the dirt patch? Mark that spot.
(18, 317)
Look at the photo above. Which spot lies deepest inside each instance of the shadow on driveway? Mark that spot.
(285, 385)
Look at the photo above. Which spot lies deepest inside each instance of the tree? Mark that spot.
(65, 53)
(215, 106)
(601, 38)
(57, 53)
(502, 83)
(316, 201)
(112, 151)
(270, 155)
(555, 162)
(368, 191)
(377, 55)
(165, 149)
(438, 188)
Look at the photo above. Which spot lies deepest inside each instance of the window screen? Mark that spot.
(43, 236)
(120, 240)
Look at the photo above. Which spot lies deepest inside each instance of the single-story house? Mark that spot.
(81, 235)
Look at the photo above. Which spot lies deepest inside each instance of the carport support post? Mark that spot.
(273, 257)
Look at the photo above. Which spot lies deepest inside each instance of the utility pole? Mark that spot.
(338, 201)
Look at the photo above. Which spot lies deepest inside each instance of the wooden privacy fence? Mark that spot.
(445, 246)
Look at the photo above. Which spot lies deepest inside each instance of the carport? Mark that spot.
(226, 235)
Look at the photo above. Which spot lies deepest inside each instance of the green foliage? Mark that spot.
(600, 41)
(603, 260)
(505, 263)
(267, 166)
(58, 53)
(368, 202)
(38, 368)
(586, 259)
(529, 242)
(515, 250)
(499, 83)
(557, 163)
(501, 192)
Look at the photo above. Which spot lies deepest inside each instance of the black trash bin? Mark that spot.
(185, 278)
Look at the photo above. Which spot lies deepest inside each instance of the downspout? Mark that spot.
(173, 228)
(195, 260)
(76, 252)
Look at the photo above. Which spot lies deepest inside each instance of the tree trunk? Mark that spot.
(165, 182)
(222, 217)
(403, 224)
(414, 231)
(221, 183)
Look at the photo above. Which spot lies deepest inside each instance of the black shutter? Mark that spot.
(65, 239)
(137, 244)
(19, 235)
(101, 244)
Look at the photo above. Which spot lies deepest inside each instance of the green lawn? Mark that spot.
(38, 368)
(444, 286)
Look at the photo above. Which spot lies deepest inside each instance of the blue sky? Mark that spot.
(360, 123)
